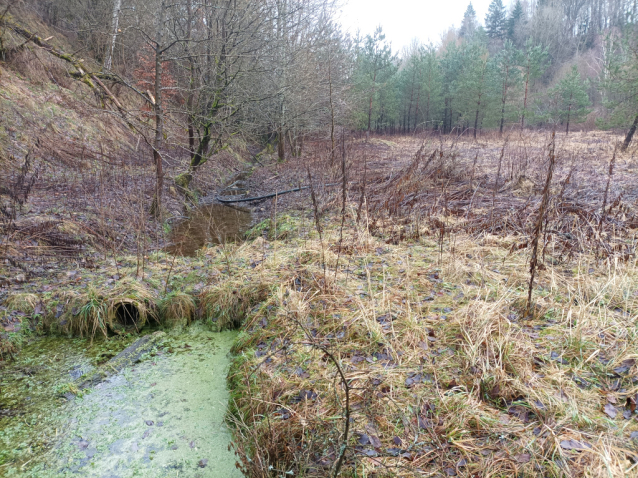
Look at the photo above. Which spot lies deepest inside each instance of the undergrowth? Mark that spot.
(446, 373)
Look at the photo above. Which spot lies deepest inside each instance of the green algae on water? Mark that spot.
(161, 417)
(32, 407)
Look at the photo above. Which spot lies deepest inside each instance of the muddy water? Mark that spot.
(209, 224)
(164, 417)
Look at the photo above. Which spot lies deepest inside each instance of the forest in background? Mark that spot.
(197, 74)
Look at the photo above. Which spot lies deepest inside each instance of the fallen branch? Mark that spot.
(129, 356)
(267, 196)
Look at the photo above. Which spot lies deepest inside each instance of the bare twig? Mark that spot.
(536, 233)
(610, 174)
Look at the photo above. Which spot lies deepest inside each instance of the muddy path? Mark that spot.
(162, 417)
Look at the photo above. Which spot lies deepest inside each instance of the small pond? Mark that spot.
(208, 224)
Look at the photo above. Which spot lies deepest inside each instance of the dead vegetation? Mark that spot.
(450, 373)
(436, 364)
(409, 323)
(447, 373)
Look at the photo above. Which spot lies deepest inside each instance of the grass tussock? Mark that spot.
(226, 304)
(23, 302)
(177, 309)
(135, 296)
(447, 375)
(7, 348)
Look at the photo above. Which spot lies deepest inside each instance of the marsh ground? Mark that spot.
(417, 294)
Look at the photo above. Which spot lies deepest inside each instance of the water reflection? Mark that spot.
(208, 224)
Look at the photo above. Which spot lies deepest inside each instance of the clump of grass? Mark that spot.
(497, 357)
(99, 309)
(22, 302)
(285, 224)
(89, 318)
(226, 304)
(135, 295)
(177, 308)
(7, 348)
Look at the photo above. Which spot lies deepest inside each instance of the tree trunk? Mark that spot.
(450, 117)
(445, 113)
(117, 6)
(190, 98)
(478, 109)
(630, 135)
(374, 80)
(159, 120)
(504, 100)
(332, 110)
(502, 119)
(202, 149)
(281, 145)
(525, 100)
(411, 101)
(416, 111)
(569, 112)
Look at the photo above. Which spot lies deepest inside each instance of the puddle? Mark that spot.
(163, 417)
(209, 224)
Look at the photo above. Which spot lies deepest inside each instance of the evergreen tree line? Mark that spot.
(515, 69)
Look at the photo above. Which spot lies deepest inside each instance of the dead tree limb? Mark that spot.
(268, 196)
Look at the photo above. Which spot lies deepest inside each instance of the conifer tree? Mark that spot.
(534, 62)
(452, 62)
(432, 86)
(570, 99)
(508, 75)
(469, 24)
(619, 82)
(496, 20)
(476, 85)
(376, 66)
(515, 19)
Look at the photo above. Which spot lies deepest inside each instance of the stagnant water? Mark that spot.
(163, 417)
(208, 224)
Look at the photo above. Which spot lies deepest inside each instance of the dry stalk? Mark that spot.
(312, 341)
(610, 174)
(168, 277)
(363, 189)
(498, 178)
(344, 192)
(536, 233)
(315, 208)
(473, 170)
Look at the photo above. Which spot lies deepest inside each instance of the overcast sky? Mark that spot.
(403, 20)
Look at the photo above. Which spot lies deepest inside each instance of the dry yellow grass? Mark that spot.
(447, 375)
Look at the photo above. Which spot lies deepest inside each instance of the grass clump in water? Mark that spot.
(177, 309)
